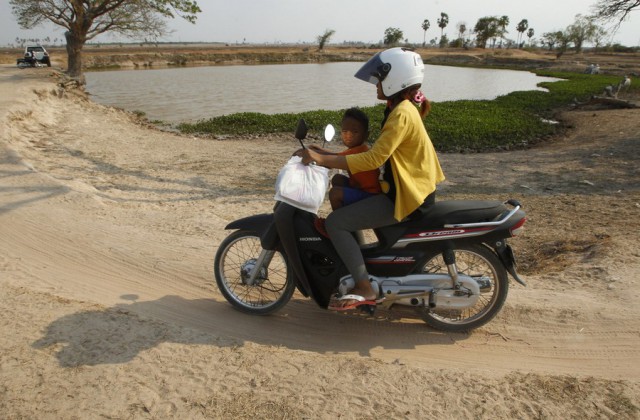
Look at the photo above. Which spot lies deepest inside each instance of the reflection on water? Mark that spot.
(193, 93)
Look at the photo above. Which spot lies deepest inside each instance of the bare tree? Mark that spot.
(392, 36)
(599, 36)
(324, 38)
(86, 19)
(582, 30)
(486, 28)
(615, 9)
(551, 39)
(561, 39)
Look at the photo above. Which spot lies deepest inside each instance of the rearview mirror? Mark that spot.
(301, 131)
(329, 133)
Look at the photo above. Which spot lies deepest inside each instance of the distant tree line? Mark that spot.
(21, 42)
(84, 20)
(491, 31)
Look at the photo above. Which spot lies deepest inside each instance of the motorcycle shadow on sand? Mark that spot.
(120, 333)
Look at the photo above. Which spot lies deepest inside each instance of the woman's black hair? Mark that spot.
(358, 115)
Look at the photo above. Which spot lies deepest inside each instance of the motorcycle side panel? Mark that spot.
(321, 263)
(392, 263)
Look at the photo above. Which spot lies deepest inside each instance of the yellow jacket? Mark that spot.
(416, 169)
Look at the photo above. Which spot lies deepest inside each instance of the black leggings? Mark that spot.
(370, 213)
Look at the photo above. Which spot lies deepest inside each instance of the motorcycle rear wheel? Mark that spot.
(477, 261)
(236, 255)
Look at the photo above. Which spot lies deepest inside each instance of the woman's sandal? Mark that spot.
(358, 301)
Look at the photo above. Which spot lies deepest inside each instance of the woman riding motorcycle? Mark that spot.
(404, 148)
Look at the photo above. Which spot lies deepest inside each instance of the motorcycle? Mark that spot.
(449, 267)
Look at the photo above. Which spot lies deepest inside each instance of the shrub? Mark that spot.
(513, 120)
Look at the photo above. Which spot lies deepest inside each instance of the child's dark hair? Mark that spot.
(358, 115)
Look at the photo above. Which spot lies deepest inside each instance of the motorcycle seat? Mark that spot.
(456, 212)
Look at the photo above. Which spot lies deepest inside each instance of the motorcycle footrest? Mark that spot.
(367, 309)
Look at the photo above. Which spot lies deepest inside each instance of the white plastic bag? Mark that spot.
(302, 186)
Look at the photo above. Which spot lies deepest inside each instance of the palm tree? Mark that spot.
(522, 26)
(425, 27)
(503, 22)
(530, 34)
(443, 22)
(462, 29)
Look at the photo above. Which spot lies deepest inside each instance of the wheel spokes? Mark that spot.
(472, 265)
(270, 283)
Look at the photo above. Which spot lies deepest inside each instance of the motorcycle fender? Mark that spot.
(509, 260)
(263, 224)
(258, 223)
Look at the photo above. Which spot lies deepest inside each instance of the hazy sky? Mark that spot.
(284, 21)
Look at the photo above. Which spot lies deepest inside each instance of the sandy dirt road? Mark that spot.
(108, 230)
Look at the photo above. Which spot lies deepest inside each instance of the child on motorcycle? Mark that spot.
(347, 189)
(353, 187)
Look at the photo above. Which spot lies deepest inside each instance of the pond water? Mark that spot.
(193, 93)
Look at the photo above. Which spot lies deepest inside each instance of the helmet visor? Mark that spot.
(374, 70)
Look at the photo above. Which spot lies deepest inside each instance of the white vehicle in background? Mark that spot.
(34, 56)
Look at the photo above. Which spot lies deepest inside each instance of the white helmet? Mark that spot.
(397, 69)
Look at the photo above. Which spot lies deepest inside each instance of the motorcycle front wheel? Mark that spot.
(236, 257)
(482, 264)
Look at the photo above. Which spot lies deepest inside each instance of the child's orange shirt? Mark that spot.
(368, 180)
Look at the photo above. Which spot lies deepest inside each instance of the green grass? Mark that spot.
(510, 121)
